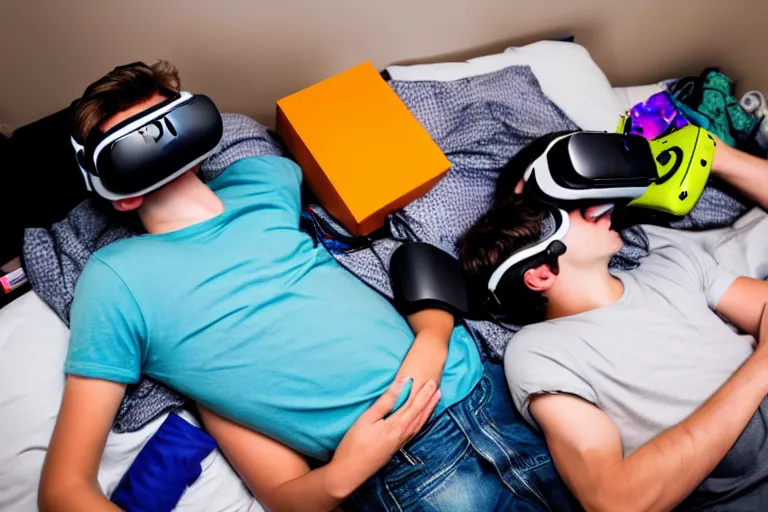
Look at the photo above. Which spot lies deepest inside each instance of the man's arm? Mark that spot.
(426, 358)
(587, 451)
(742, 304)
(281, 479)
(71, 467)
(747, 173)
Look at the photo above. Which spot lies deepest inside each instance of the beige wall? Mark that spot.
(248, 53)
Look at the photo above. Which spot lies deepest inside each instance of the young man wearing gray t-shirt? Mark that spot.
(647, 398)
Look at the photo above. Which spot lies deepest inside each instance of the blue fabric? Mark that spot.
(246, 315)
(478, 455)
(164, 468)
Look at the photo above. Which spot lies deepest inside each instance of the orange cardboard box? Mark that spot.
(362, 152)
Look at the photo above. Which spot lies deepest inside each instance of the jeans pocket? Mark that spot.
(411, 486)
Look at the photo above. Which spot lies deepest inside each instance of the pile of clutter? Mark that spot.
(707, 101)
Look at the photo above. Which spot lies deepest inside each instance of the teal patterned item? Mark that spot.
(718, 104)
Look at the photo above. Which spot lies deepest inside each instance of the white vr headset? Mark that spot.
(587, 168)
(150, 149)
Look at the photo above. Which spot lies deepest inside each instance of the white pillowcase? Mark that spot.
(33, 346)
(566, 72)
(630, 96)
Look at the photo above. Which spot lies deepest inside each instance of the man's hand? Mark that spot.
(375, 437)
(424, 362)
(426, 358)
(281, 479)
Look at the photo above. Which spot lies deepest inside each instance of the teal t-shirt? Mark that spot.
(245, 315)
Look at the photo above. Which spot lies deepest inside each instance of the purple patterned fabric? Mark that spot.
(654, 117)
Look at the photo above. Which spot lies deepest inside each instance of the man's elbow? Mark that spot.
(53, 496)
(606, 502)
(612, 499)
(48, 496)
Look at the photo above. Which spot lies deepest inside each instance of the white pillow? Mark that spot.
(630, 96)
(33, 346)
(566, 72)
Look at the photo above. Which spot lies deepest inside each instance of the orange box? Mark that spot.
(362, 152)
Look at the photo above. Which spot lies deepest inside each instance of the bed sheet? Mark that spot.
(33, 346)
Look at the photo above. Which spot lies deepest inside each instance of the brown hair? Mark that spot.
(512, 222)
(509, 225)
(121, 88)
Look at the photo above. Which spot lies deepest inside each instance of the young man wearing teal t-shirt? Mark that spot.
(288, 356)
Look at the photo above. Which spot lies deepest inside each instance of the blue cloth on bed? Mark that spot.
(165, 467)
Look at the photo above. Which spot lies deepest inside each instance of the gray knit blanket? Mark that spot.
(478, 122)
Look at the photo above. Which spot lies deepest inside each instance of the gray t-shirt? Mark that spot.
(649, 360)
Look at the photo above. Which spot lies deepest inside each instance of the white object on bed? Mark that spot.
(628, 97)
(33, 346)
(741, 248)
(566, 72)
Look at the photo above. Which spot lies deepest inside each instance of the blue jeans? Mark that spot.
(478, 455)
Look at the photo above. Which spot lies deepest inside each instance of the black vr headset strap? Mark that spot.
(424, 277)
(501, 298)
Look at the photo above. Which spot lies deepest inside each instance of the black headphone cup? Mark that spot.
(556, 249)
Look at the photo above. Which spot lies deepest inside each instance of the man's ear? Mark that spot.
(129, 204)
(539, 279)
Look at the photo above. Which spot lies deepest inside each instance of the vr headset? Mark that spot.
(150, 149)
(583, 169)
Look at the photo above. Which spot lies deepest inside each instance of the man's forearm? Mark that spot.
(319, 490)
(745, 172)
(661, 473)
(74, 497)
